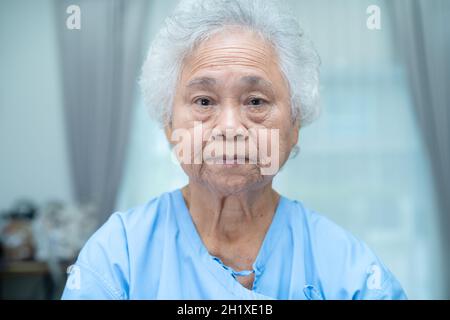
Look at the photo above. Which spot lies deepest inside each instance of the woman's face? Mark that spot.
(233, 101)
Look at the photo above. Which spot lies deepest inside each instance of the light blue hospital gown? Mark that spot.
(155, 252)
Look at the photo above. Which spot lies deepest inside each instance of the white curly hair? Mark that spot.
(194, 21)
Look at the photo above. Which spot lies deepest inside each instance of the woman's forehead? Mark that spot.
(243, 51)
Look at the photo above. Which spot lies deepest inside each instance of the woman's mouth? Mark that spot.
(228, 161)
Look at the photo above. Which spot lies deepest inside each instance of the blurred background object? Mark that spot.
(40, 243)
(73, 127)
(60, 232)
(16, 236)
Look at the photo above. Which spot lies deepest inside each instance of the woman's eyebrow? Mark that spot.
(256, 81)
(203, 82)
(246, 81)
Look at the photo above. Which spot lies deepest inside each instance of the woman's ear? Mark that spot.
(296, 132)
(168, 131)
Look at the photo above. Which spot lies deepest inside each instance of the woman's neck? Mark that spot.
(230, 219)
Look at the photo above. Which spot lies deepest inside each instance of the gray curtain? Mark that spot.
(100, 64)
(422, 36)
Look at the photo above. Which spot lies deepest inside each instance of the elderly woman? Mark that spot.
(234, 73)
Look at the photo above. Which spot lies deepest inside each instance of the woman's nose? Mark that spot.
(230, 124)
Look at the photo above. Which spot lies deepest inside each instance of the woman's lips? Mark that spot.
(231, 161)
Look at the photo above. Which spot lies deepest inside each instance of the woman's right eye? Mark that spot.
(204, 102)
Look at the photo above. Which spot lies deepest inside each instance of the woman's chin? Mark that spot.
(233, 182)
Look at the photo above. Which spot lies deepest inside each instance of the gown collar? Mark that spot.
(224, 274)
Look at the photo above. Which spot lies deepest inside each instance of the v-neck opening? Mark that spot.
(187, 224)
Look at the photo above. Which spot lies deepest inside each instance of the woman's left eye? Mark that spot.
(256, 101)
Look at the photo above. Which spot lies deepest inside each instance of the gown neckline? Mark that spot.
(221, 272)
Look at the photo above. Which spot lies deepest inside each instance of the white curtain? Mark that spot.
(100, 64)
(423, 40)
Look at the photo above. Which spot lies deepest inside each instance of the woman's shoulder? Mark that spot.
(105, 257)
(344, 264)
(132, 223)
(321, 230)
(153, 211)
